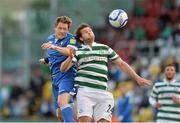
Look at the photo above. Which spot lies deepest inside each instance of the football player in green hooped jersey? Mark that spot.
(94, 102)
(165, 97)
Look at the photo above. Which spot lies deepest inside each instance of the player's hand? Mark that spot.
(42, 61)
(143, 82)
(47, 46)
(175, 99)
(158, 105)
(72, 52)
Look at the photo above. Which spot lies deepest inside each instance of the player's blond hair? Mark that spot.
(63, 19)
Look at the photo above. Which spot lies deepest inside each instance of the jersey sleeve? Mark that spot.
(153, 96)
(73, 43)
(112, 54)
(154, 93)
(50, 39)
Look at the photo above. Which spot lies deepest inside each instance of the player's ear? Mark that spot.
(81, 39)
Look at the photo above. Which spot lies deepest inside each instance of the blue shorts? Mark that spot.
(61, 86)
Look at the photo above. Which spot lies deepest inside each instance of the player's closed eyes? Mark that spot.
(87, 31)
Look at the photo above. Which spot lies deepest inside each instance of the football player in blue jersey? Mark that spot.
(58, 48)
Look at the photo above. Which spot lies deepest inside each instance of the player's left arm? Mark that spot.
(67, 64)
(127, 69)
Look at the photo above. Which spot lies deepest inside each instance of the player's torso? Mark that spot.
(165, 91)
(92, 66)
(168, 109)
(56, 58)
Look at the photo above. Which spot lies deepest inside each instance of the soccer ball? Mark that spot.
(118, 18)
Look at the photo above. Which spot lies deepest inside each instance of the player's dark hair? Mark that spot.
(171, 65)
(63, 19)
(78, 30)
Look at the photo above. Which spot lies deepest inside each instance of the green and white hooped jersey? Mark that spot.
(162, 92)
(93, 65)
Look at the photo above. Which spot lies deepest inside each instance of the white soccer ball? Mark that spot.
(118, 18)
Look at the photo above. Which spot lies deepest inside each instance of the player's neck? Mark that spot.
(170, 80)
(60, 37)
(89, 43)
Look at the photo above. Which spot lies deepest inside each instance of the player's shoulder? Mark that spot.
(100, 44)
(159, 83)
(70, 35)
(51, 37)
(72, 40)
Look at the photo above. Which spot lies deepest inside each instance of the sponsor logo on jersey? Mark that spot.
(72, 41)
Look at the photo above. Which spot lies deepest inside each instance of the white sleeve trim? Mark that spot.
(72, 47)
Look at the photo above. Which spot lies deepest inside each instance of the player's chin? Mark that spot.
(169, 77)
(61, 36)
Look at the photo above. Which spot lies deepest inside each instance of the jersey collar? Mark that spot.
(56, 40)
(87, 46)
(168, 82)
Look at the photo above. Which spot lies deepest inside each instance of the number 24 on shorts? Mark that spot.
(110, 109)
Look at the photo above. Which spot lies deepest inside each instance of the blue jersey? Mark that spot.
(124, 109)
(55, 58)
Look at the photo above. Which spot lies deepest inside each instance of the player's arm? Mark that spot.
(154, 103)
(153, 98)
(67, 64)
(127, 69)
(63, 50)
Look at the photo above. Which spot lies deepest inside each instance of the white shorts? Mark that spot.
(95, 103)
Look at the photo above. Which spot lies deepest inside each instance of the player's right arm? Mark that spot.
(63, 50)
(153, 98)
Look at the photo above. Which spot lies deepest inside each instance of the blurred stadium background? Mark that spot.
(150, 40)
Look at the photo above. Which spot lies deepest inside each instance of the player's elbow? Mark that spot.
(120, 63)
(62, 68)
